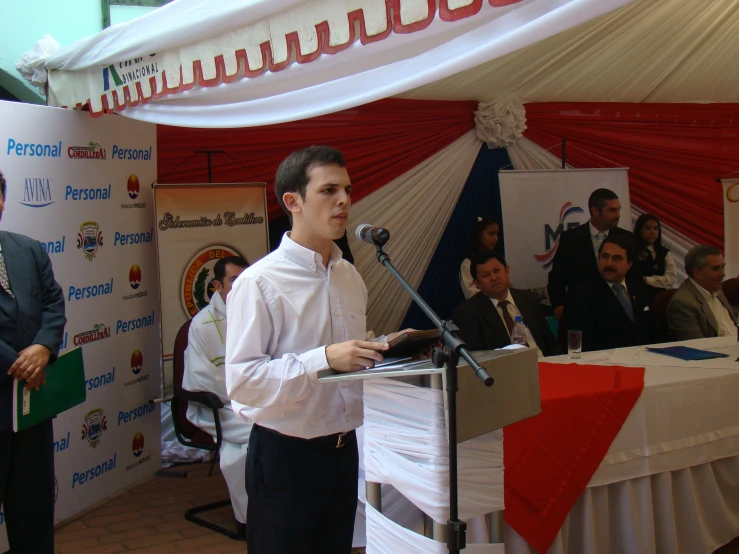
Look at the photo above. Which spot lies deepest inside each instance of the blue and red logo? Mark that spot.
(552, 236)
(134, 276)
(137, 446)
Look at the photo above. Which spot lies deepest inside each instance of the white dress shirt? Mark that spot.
(597, 237)
(666, 281)
(726, 326)
(514, 312)
(282, 313)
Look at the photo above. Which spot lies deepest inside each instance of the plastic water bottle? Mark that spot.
(518, 334)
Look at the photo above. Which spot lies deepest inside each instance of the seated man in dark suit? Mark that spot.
(576, 259)
(699, 308)
(486, 319)
(612, 310)
(31, 331)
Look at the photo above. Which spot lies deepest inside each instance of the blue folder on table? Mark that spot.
(687, 353)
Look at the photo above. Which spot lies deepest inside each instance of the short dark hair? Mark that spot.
(482, 258)
(599, 198)
(292, 175)
(696, 257)
(219, 270)
(623, 241)
(3, 184)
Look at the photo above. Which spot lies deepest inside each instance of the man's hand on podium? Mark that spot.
(354, 355)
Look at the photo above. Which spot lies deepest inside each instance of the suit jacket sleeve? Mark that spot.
(579, 315)
(681, 321)
(557, 286)
(470, 326)
(8, 356)
(51, 330)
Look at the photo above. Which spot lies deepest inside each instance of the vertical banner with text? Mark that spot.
(731, 226)
(539, 205)
(196, 226)
(80, 186)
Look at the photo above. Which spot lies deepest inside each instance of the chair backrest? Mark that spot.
(182, 425)
(731, 290)
(661, 300)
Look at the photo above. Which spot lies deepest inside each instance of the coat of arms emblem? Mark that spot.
(90, 238)
(93, 427)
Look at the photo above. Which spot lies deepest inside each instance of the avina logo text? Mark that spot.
(37, 192)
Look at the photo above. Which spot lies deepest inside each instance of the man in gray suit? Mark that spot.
(699, 308)
(31, 331)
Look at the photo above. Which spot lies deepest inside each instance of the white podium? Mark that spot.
(405, 446)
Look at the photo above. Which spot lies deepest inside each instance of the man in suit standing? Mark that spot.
(486, 319)
(31, 331)
(612, 310)
(699, 308)
(577, 254)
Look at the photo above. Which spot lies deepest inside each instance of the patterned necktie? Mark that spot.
(599, 238)
(507, 317)
(624, 301)
(4, 281)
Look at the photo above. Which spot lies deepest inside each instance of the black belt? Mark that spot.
(330, 442)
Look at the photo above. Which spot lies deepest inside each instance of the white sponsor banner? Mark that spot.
(196, 226)
(731, 226)
(80, 186)
(539, 205)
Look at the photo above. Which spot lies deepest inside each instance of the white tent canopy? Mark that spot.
(238, 64)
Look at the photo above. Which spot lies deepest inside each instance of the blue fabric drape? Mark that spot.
(440, 285)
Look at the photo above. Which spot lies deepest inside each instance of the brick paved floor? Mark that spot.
(149, 518)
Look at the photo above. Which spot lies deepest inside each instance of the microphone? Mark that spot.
(375, 236)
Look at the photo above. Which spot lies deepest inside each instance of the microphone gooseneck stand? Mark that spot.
(454, 347)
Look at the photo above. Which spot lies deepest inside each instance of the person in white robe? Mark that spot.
(205, 372)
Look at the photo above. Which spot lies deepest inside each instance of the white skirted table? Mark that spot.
(668, 483)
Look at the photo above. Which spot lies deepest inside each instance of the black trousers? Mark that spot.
(302, 494)
(27, 488)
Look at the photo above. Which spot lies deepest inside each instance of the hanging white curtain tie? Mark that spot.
(500, 123)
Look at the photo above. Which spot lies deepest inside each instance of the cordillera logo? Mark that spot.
(136, 413)
(80, 478)
(137, 363)
(54, 246)
(90, 238)
(34, 149)
(90, 291)
(128, 239)
(62, 444)
(134, 279)
(120, 153)
(100, 380)
(93, 151)
(137, 448)
(37, 192)
(74, 194)
(123, 326)
(134, 188)
(99, 331)
(197, 288)
(93, 427)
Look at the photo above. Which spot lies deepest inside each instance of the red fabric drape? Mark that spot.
(380, 141)
(675, 152)
(549, 459)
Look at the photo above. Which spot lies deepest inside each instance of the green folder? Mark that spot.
(64, 389)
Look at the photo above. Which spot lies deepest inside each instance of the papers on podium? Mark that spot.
(64, 389)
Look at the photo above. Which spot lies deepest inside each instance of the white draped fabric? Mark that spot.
(406, 446)
(422, 49)
(416, 207)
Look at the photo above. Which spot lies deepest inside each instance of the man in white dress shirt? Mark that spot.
(295, 312)
(699, 308)
(205, 372)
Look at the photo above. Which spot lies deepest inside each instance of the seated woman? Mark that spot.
(483, 238)
(654, 262)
